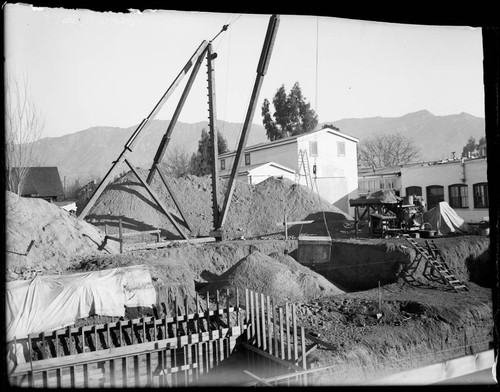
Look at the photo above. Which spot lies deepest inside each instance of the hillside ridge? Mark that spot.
(89, 153)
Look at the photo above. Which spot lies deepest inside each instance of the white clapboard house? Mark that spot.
(327, 155)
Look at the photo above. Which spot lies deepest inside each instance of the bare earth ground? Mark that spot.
(370, 332)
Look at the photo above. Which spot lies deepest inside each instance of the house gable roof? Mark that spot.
(291, 139)
(43, 182)
(248, 169)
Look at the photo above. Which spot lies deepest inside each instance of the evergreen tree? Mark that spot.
(201, 161)
(292, 115)
(470, 147)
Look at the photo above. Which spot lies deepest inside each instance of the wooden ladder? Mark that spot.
(435, 261)
(304, 163)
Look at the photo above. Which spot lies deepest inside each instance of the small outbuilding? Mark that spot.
(43, 183)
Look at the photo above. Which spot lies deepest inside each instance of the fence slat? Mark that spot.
(257, 318)
(252, 317)
(269, 325)
(282, 347)
(303, 343)
(275, 327)
(263, 321)
(227, 309)
(124, 372)
(247, 315)
(56, 342)
(295, 337)
(287, 321)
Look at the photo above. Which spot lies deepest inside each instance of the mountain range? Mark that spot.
(90, 153)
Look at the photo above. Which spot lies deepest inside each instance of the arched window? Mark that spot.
(481, 195)
(435, 195)
(459, 196)
(414, 191)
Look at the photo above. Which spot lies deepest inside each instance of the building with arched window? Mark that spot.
(462, 183)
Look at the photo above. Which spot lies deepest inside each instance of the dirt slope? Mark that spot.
(277, 275)
(59, 238)
(417, 327)
(254, 210)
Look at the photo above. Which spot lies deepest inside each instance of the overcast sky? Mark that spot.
(89, 68)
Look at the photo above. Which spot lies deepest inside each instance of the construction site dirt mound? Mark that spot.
(378, 332)
(278, 276)
(41, 237)
(254, 211)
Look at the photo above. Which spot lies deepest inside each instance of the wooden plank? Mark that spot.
(303, 343)
(272, 358)
(287, 326)
(294, 333)
(275, 327)
(207, 315)
(176, 317)
(237, 307)
(260, 380)
(118, 352)
(112, 375)
(282, 347)
(308, 351)
(56, 342)
(124, 372)
(120, 234)
(228, 309)
(287, 223)
(163, 244)
(149, 370)
(263, 321)
(247, 316)
(196, 319)
(252, 317)
(138, 233)
(117, 239)
(257, 319)
(269, 325)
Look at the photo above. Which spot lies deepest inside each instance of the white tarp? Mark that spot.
(47, 303)
(444, 219)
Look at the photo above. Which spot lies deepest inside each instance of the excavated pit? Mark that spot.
(418, 326)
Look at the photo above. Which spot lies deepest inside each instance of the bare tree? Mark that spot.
(177, 163)
(24, 127)
(387, 150)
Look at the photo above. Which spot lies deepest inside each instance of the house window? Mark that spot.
(459, 196)
(223, 164)
(247, 159)
(413, 191)
(481, 195)
(313, 148)
(435, 195)
(341, 149)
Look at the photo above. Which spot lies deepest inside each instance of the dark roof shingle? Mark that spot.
(43, 182)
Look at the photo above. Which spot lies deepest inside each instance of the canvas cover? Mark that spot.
(444, 219)
(47, 303)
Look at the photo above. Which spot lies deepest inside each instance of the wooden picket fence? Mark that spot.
(275, 343)
(178, 349)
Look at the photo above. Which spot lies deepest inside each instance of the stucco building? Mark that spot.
(462, 183)
(331, 156)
